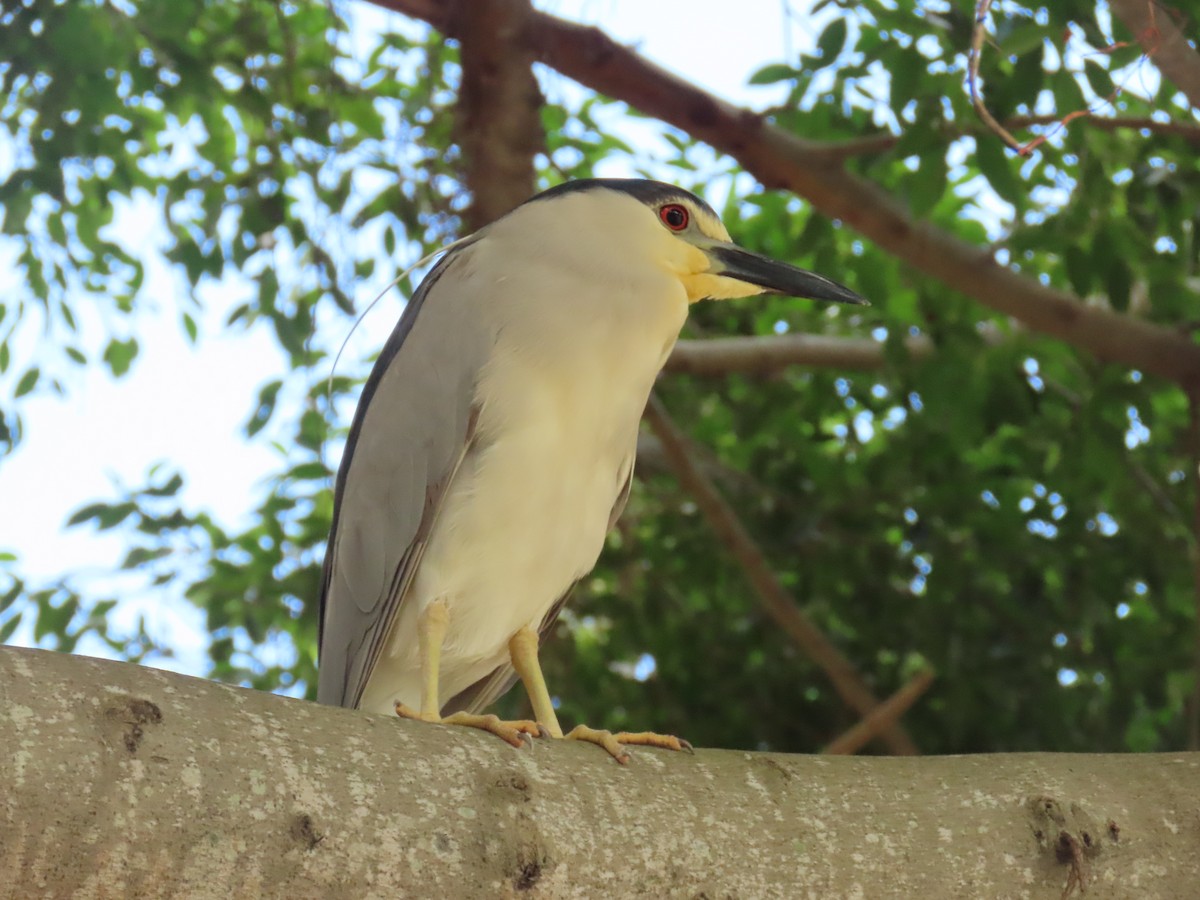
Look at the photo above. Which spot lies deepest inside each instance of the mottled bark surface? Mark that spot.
(120, 781)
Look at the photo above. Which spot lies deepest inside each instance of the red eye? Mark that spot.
(674, 216)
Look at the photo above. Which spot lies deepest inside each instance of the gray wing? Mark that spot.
(413, 425)
(487, 690)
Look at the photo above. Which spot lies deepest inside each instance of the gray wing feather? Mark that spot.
(487, 690)
(413, 425)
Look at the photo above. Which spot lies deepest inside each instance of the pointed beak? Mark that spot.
(731, 261)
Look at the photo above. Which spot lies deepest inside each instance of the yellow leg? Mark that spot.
(431, 633)
(523, 650)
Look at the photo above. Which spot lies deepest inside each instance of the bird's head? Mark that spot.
(675, 229)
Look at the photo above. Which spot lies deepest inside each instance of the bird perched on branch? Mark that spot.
(494, 442)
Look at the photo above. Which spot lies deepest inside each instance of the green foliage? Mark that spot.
(1009, 511)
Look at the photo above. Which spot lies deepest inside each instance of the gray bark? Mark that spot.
(120, 781)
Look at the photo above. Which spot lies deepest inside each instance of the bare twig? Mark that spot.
(977, 37)
(887, 712)
(775, 598)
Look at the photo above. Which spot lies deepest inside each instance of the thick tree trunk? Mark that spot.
(499, 108)
(119, 781)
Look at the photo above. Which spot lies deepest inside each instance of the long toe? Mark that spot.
(602, 738)
(616, 744)
(517, 732)
(651, 739)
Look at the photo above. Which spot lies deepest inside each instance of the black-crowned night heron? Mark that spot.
(494, 442)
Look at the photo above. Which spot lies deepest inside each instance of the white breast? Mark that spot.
(527, 513)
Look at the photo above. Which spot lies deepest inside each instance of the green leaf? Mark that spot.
(928, 184)
(1099, 80)
(832, 40)
(264, 408)
(773, 74)
(313, 430)
(140, 556)
(1118, 283)
(9, 596)
(169, 489)
(311, 471)
(107, 515)
(1067, 95)
(28, 381)
(906, 76)
(119, 355)
(1023, 39)
(1078, 263)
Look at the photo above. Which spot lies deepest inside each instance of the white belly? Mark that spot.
(527, 514)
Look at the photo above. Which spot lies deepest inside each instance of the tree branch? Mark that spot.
(1156, 26)
(774, 596)
(887, 712)
(779, 159)
(121, 781)
(765, 354)
(499, 108)
(978, 34)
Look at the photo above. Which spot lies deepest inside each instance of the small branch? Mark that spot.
(1158, 28)
(886, 713)
(652, 460)
(769, 353)
(775, 598)
(977, 38)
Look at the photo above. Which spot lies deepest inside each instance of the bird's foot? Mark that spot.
(615, 744)
(517, 732)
